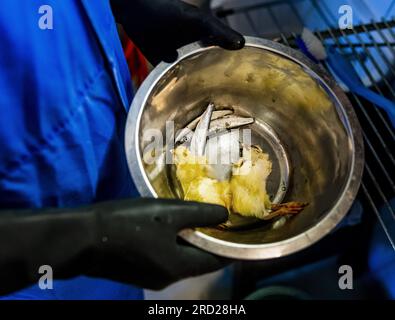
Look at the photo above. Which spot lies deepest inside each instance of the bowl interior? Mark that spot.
(299, 122)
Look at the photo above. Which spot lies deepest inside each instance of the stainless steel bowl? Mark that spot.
(304, 121)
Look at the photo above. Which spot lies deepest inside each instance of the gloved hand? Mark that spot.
(160, 27)
(139, 241)
(133, 241)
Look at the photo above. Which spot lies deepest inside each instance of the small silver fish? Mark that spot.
(220, 125)
(199, 138)
(192, 125)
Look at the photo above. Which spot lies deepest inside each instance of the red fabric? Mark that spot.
(137, 63)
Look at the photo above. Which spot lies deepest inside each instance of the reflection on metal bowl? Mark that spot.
(303, 120)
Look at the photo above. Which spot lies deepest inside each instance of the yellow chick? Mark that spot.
(188, 166)
(210, 191)
(192, 173)
(248, 184)
(245, 192)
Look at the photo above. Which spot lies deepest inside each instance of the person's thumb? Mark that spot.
(219, 34)
(194, 215)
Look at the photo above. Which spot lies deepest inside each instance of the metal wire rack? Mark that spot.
(371, 49)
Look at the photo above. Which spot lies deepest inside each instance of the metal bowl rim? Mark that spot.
(248, 251)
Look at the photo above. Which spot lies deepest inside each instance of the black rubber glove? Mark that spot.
(133, 241)
(160, 27)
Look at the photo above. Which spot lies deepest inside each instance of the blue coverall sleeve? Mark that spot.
(64, 93)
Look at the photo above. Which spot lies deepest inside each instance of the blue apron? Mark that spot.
(64, 95)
